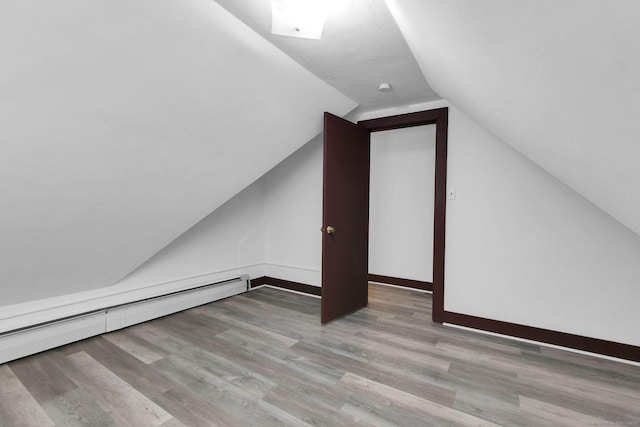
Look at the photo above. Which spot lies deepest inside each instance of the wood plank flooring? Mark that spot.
(262, 359)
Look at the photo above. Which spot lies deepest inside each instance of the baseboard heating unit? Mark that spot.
(31, 339)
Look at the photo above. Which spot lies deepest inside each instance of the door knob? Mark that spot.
(328, 230)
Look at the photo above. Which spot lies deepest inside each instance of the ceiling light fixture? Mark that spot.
(301, 18)
(385, 87)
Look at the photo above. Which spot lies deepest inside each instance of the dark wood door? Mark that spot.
(345, 218)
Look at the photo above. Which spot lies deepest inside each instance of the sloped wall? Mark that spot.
(293, 216)
(228, 242)
(124, 124)
(557, 80)
(523, 247)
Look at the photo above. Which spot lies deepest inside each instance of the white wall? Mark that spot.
(293, 216)
(231, 239)
(557, 80)
(401, 203)
(523, 247)
(293, 209)
(227, 243)
(271, 228)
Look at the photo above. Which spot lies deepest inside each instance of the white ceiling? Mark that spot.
(361, 47)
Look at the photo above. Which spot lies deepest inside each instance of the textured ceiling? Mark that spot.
(360, 48)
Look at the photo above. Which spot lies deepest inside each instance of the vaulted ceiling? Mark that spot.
(125, 123)
(361, 47)
(555, 79)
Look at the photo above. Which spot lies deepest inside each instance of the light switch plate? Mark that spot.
(451, 193)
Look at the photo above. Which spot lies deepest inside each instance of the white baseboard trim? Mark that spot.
(40, 311)
(109, 313)
(400, 287)
(287, 290)
(138, 312)
(31, 341)
(253, 270)
(303, 275)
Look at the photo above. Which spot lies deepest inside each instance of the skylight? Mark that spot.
(300, 18)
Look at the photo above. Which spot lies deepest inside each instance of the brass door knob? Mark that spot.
(328, 230)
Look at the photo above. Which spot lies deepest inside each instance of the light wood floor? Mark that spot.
(262, 359)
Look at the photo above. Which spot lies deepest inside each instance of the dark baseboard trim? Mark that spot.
(578, 342)
(407, 283)
(258, 281)
(286, 284)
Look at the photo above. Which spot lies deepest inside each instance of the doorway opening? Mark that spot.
(346, 154)
(401, 200)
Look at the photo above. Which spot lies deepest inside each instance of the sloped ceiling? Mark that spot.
(361, 47)
(123, 123)
(559, 80)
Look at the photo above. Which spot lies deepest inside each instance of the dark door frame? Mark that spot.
(440, 118)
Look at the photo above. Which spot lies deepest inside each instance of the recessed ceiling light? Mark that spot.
(385, 87)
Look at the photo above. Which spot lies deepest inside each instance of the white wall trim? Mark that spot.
(403, 109)
(307, 276)
(38, 338)
(287, 290)
(401, 287)
(31, 341)
(35, 312)
(254, 270)
(131, 314)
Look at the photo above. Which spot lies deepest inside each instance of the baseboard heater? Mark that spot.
(31, 339)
